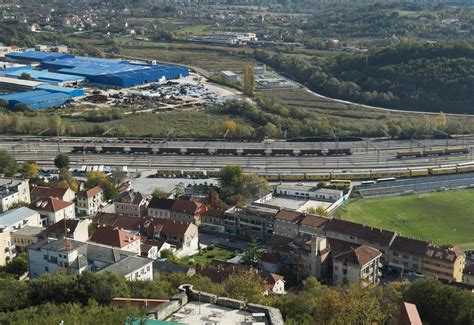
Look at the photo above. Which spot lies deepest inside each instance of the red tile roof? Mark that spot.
(314, 221)
(366, 233)
(359, 256)
(289, 215)
(90, 192)
(410, 246)
(49, 205)
(113, 237)
(44, 192)
(59, 228)
(148, 225)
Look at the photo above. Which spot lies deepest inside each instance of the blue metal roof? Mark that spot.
(73, 92)
(45, 97)
(118, 73)
(43, 75)
(37, 56)
(26, 94)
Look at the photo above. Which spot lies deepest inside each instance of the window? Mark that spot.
(148, 268)
(45, 257)
(142, 271)
(46, 269)
(344, 271)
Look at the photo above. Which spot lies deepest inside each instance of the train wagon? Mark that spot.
(443, 170)
(465, 167)
(383, 173)
(291, 177)
(169, 173)
(317, 176)
(222, 151)
(271, 177)
(311, 152)
(456, 150)
(254, 152)
(409, 153)
(339, 152)
(434, 152)
(197, 151)
(113, 150)
(141, 150)
(213, 172)
(416, 172)
(282, 152)
(351, 175)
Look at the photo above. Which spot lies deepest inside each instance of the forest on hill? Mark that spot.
(421, 76)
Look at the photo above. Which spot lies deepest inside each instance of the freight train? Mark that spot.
(432, 152)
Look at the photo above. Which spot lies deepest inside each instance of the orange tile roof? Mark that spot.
(114, 237)
(90, 192)
(49, 205)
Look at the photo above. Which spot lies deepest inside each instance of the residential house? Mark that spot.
(71, 228)
(110, 236)
(49, 255)
(444, 263)
(182, 236)
(9, 222)
(26, 236)
(468, 274)
(407, 254)
(89, 201)
(213, 220)
(42, 192)
(357, 266)
(13, 191)
(130, 203)
(52, 210)
(277, 283)
(179, 210)
(152, 248)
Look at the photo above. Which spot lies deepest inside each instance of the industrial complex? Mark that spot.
(44, 79)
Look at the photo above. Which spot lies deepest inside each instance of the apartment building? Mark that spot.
(89, 201)
(50, 255)
(13, 191)
(444, 263)
(407, 253)
(52, 210)
(357, 266)
(11, 221)
(130, 203)
(361, 234)
(250, 221)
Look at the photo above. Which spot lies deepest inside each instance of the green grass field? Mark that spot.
(430, 216)
(206, 256)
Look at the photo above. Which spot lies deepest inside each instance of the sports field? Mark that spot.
(432, 216)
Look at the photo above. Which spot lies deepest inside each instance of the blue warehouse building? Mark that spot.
(37, 99)
(43, 76)
(106, 72)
